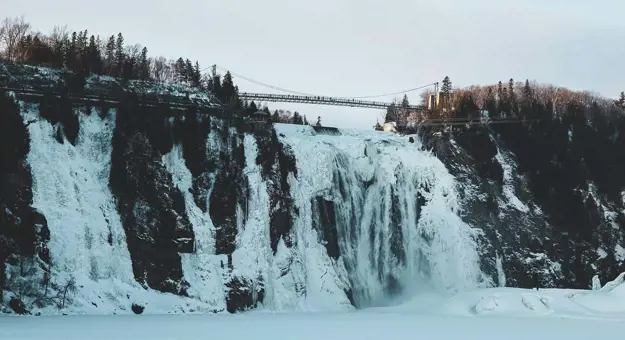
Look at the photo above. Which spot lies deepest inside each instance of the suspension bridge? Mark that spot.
(321, 100)
(291, 96)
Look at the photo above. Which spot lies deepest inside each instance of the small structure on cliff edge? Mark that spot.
(257, 121)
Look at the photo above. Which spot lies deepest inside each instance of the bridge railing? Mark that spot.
(319, 100)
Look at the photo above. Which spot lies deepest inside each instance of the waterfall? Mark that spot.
(395, 212)
(374, 218)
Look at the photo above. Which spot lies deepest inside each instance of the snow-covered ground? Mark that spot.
(497, 313)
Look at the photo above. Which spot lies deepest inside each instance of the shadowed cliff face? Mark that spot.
(541, 214)
(151, 207)
(277, 163)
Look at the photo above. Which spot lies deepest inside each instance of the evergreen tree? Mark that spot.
(180, 70)
(144, 65)
(297, 119)
(189, 72)
(109, 56)
(467, 108)
(621, 101)
(527, 91)
(128, 69)
(253, 108)
(446, 90)
(119, 55)
(227, 88)
(197, 75)
(94, 57)
(70, 53)
(490, 103)
(405, 103)
(512, 98)
(276, 117)
(215, 86)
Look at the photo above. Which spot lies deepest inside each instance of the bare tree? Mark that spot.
(12, 30)
(158, 66)
(69, 287)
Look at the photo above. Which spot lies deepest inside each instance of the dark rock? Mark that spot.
(18, 306)
(411, 140)
(137, 309)
(151, 207)
(277, 162)
(243, 294)
(324, 222)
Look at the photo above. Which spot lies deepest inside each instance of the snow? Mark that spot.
(509, 168)
(619, 251)
(497, 313)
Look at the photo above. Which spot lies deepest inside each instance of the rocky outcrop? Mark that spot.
(277, 164)
(539, 214)
(151, 207)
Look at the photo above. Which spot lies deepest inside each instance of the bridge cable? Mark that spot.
(316, 95)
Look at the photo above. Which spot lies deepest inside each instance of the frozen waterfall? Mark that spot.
(395, 209)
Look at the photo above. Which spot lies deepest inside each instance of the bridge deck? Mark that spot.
(275, 98)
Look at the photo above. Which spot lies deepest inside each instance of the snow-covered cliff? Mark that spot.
(184, 214)
(140, 209)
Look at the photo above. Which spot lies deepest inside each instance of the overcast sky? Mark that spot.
(365, 47)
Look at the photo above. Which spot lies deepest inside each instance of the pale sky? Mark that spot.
(365, 47)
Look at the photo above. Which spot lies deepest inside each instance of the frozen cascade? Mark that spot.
(70, 187)
(87, 239)
(396, 212)
(202, 268)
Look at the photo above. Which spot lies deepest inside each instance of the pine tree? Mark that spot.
(502, 101)
(446, 92)
(276, 117)
(180, 70)
(119, 55)
(109, 56)
(70, 53)
(490, 103)
(512, 97)
(144, 65)
(253, 108)
(527, 91)
(128, 69)
(405, 103)
(297, 118)
(93, 56)
(227, 87)
(621, 101)
(197, 75)
(189, 72)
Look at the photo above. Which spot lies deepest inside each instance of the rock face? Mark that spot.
(152, 209)
(563, 236)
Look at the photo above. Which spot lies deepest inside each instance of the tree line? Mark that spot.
(89, 54)
(529, 100)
